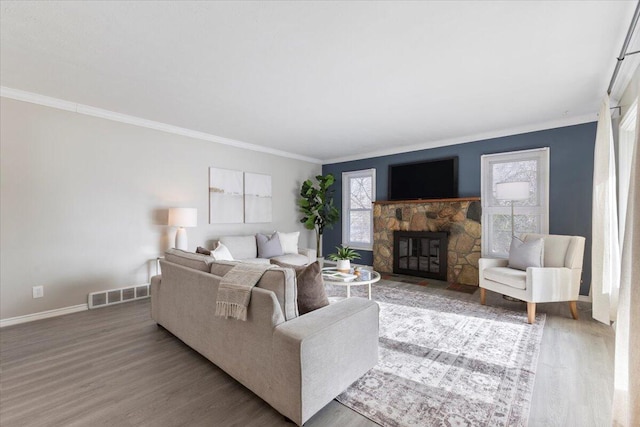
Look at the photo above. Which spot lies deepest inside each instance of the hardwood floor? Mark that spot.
(114, 367)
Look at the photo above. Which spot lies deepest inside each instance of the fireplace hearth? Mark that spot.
(420, 253)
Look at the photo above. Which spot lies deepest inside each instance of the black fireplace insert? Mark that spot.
(420, 253)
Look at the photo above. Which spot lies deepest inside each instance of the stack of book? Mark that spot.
(338, 276)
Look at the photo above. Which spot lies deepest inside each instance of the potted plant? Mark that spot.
(316, 205)
(343, 256)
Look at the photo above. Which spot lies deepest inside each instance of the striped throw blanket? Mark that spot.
(234, 292)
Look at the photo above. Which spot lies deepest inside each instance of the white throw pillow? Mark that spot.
(289, 242)
(526, 254)
(221, 253)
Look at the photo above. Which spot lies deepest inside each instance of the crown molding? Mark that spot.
(61, 104)
(586, 118)
(35, 98)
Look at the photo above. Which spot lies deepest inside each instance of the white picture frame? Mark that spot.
(257, 198)
(226, 196)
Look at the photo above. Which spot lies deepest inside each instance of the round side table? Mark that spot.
(374, 277)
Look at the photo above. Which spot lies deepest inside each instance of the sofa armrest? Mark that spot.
(321, 354)
(549, 284)
(309, 253)
(492, 262)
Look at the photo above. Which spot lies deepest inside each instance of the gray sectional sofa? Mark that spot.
(295, 363)
(244, 248)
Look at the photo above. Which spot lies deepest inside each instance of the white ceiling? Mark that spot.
(325, 80)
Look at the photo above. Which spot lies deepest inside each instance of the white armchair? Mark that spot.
(558, 280)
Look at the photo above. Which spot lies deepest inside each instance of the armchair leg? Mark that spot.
(574, 309)
(531, 312)
(483, 296)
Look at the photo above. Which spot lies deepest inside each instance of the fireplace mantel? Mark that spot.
(402, 202)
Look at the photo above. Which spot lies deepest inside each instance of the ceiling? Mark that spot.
(323, 80)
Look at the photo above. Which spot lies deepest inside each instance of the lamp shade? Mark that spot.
(183, 217)
(512, 190)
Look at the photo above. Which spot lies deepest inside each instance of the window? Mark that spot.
(530, 215)
(358, 194)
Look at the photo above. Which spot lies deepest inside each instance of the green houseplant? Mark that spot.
(344, 255)
(316, 205)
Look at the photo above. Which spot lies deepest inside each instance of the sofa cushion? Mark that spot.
(189, 259)
(241, 247)
(311, 292)
(221, 253)
(293, 259)
(280, 281)
(526, 254)
(268, 246)
(289, 242)
(255, 260)
(506, 276)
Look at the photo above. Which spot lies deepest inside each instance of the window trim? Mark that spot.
(346, 176)
(543, 176)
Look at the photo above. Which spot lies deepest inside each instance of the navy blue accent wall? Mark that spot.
(570, 185)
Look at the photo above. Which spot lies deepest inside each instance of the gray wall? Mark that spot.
(571, 179)
(84, 201)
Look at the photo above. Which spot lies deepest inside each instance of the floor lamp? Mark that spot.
(182, 217)
(512, 191)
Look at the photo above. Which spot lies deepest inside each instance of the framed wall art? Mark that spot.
(226, 203)
(257, 198)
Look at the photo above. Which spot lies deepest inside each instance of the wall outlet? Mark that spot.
(38, 291)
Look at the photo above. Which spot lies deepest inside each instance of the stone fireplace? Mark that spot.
(459, 219)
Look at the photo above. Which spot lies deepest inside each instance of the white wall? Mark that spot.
(83, 201)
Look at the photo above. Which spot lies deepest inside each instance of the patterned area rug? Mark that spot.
(447, 362)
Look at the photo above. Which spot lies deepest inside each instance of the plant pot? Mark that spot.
(344, 265)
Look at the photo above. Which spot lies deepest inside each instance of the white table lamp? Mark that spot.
(512, 191)
(182, 217)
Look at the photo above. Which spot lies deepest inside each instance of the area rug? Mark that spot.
(448, 362)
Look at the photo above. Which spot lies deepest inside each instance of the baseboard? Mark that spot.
(43, 315)
(584, 298)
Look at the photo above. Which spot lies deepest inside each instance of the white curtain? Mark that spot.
(605, 250)
(626, 397)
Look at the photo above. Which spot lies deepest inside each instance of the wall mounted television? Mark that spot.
(431, 179)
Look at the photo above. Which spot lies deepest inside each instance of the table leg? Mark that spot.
(369, 290)
(348, 291)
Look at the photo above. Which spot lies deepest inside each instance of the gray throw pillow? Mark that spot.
(526, 254)
(311, 293)
(203, 251)
(268, 246)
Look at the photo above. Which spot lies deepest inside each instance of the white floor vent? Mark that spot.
(118, 296)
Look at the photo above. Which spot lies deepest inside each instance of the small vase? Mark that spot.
(344, 265)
